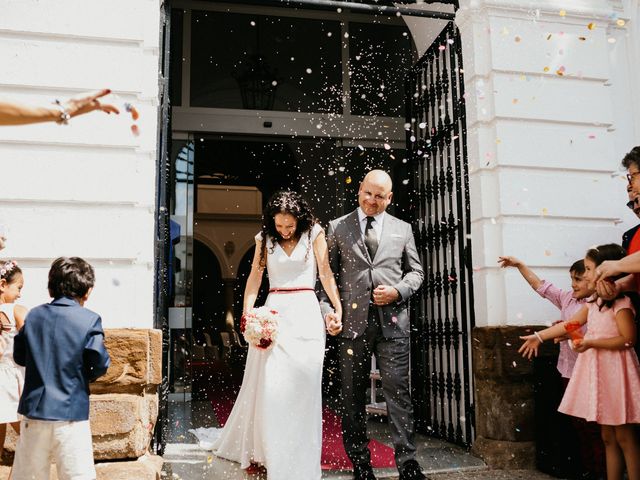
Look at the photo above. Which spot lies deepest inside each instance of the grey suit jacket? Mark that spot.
(396, 263)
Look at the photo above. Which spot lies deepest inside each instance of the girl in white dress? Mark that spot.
(11, 375)
(276, 421)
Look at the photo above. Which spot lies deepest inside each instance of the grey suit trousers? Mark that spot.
(393, 359)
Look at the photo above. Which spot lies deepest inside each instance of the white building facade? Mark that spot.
(551, 101)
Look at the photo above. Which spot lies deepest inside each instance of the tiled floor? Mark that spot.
(185, 460)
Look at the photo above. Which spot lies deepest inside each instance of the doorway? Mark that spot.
(258, 115)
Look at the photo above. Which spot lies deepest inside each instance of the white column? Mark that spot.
(545, 141)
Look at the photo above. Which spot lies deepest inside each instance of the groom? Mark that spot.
(374, 257)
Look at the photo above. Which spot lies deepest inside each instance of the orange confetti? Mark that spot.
(591, 26)
(560, 71)
(135, 130)
(517, 39)
(514, 101)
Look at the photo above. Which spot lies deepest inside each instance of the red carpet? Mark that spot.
(334, 456)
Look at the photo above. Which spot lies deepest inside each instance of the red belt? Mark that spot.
(291, 290)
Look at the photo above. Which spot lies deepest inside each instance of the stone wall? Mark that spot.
(124, 404)
(504, 402)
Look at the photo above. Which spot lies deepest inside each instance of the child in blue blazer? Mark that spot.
(61, 346)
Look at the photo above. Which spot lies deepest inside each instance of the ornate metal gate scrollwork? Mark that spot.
(443, 316)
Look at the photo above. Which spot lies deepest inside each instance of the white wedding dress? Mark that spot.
(276, 420)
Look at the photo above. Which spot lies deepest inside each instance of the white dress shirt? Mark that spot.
(376, 224)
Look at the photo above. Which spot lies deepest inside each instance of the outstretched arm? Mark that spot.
(528, 274)
(532, 342)
(15, 113)
(254, 280)
(612, 268)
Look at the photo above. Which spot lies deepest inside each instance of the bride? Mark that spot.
(276, 421)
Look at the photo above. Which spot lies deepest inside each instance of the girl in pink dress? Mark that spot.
(605, 385)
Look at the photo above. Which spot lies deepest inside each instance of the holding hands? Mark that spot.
(333, 322)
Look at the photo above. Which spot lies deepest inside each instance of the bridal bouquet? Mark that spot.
(260, 327)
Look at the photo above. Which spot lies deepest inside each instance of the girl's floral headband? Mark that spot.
(7, 268)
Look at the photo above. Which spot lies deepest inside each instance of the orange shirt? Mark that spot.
(634, 246)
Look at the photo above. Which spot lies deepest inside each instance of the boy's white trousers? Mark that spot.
(68, 444)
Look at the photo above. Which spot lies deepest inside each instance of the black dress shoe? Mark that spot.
(411, 470)
(363, 471)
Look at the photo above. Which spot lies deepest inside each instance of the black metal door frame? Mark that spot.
(163, 236)
(443, 313)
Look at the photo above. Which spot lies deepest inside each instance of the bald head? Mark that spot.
(375, 192)
(379, 178)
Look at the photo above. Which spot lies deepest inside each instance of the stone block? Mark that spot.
(504, 411)
(505, 455)
(136, 361)
(147, 467)
(113, 414)
(132, 444)
(155, 357)
(129, 351)
(495, 353)
(122, 424)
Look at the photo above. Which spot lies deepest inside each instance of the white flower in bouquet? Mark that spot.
(260, 327)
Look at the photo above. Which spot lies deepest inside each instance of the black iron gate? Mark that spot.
(443, 311)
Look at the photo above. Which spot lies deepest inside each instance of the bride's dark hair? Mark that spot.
(285, 201)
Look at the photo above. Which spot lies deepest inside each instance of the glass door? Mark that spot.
(181, 356)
